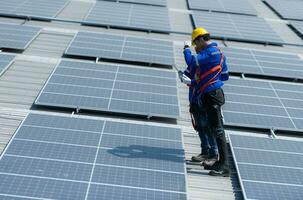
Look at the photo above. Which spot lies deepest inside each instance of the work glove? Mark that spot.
(185, 79)
(187, 44)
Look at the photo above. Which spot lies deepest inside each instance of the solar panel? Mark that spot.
(131, 16)
(287, 9)
(229, 6)
(263, 104)
(235, 27)
(17, 36)
(298, 26)
(32, 8)
(268, 168)
(5, 62)
(124, 48)
(145, 2)
(59, 157)
(250, 61)
(112, 88)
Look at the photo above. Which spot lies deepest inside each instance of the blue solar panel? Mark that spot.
(111, 88)
(268, 168)
(131, 16)
(240, 28)
(229, 6)
(46, 159)
(5, 62)
(248, 61)
(17, 36)
(122, 48)
(268, 191)
(145, 2)
(263, 104)
(41, 9)
(291, 9)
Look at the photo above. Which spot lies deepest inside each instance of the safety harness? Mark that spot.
(217, 69)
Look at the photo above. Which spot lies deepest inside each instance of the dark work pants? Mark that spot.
(213, 101)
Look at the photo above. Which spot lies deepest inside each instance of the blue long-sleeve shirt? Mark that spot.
(204, 61)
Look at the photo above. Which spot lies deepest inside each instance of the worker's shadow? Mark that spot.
(140, 151)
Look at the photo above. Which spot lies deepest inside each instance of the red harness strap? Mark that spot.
(217, 69)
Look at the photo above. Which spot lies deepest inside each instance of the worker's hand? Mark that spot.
(187, 44)
(185, 80)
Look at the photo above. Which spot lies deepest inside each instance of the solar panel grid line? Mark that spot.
(150, 3)
(117, 89)
(126, 70)
(26, 176)
(165, 100)
(112, 90)
(152, 18)
(264, 173)
(98, 164)
(94, 164)
(272, 151)
(283, 105)
(104, 46)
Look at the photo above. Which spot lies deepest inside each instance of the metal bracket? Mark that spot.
(272, 133)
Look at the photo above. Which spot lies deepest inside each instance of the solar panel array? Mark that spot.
(264, 63)
(112, 88)
(263, 104)
(56, 157)
(229, 6)
(287, 9)
(132, 16)
(5, 62)
(235, 27)
(123, 48)
(298, 26)
(17, 36)
(268, 168)
(146, 2)
(32, 8)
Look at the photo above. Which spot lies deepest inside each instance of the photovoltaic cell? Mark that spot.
(112, 88)
(240, 28)
(146, 2)
(5, 62)
(291, 9)
(265, 168)
(41, 9)
(249, 61)
(228, 6)
(34, 166)
(263, 104)
(125, 48)
(130, 16)
(17, 36)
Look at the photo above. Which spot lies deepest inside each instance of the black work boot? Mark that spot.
(218, 169)
(199, 158)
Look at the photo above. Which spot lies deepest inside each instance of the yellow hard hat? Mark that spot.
(198, 32)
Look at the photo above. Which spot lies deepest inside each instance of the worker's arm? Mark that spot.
(224, 73)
